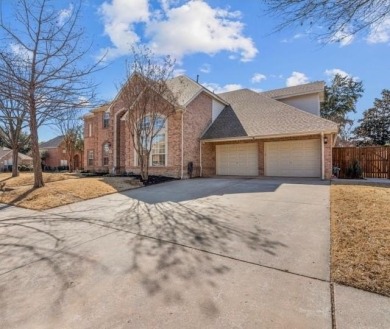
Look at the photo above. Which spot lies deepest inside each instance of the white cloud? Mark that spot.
(177, 72)
(195, 27)
(294, 37)
(205, 68)
(343, 37)
(64, 14)
(119, 18)
(21, 52)
(216, 88)
(332, 72)
(258, 77)
(296, 78)
(380, 33)
(177, 29)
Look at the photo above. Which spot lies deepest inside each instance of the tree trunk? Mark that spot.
(146, 167)
(70, 164)
(15, 159)
(37, 162)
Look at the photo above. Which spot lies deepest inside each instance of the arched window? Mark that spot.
(106, 151)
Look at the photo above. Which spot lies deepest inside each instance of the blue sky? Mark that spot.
(230, 45)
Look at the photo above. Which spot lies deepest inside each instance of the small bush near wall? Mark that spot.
(354, 171)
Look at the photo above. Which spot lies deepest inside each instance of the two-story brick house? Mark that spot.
(275, 133)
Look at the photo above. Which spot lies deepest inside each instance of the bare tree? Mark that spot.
(69, 125)
(50, 71)
(340, 18)
(149, 102)
(13, 120)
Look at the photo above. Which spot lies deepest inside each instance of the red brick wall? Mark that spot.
(197, 118)
(95, 142)
(55, 155)
(328, 157)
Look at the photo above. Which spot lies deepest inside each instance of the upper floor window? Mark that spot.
(106, 151)
(90, 130)
(90, 157)
(106, 119)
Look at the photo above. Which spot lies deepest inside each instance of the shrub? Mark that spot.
(354, 171)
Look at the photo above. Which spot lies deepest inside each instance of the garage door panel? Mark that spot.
(293, 158)
(237, 159)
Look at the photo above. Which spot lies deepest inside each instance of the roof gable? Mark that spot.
(186, 90)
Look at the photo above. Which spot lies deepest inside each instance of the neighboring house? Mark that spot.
(6, 159)
(56, 156)
(275, 133)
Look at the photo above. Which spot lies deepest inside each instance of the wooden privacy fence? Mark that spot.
(374, 160)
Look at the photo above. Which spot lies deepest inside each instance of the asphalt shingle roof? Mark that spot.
(254, 115)
(308, 88)
(5, 151)
(185, 89)
(55, 142)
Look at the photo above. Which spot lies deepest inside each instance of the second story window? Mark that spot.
(90, 130)
(106, 119)
(90, 158)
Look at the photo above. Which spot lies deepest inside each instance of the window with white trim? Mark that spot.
(158, 152)
(90, 158)
(63, 163)
(106, 151)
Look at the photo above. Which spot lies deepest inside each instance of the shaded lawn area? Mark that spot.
(28, 178)
(60, 189)
(360, 233)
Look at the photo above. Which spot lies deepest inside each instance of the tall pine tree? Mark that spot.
(374, 128)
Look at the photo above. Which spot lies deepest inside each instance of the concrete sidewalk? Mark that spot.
(218, 253)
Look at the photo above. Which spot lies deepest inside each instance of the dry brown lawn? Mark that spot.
(60, 189)
(28, 178)
(360, 233)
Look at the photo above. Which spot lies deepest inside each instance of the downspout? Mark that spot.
(322, 157)
(182, 144)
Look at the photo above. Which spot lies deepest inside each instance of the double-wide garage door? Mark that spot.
(298, 158)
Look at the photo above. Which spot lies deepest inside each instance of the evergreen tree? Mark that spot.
(374, 128)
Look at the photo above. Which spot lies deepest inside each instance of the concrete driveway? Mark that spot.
(202, 253)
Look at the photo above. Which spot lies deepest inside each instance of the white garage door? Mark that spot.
(237, 159)
(293, 158)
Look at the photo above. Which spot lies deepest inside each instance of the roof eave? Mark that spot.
(227, 139)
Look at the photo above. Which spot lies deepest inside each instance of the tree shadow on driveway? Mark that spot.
(164, 248)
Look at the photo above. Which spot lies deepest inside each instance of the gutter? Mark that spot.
(215, 140)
